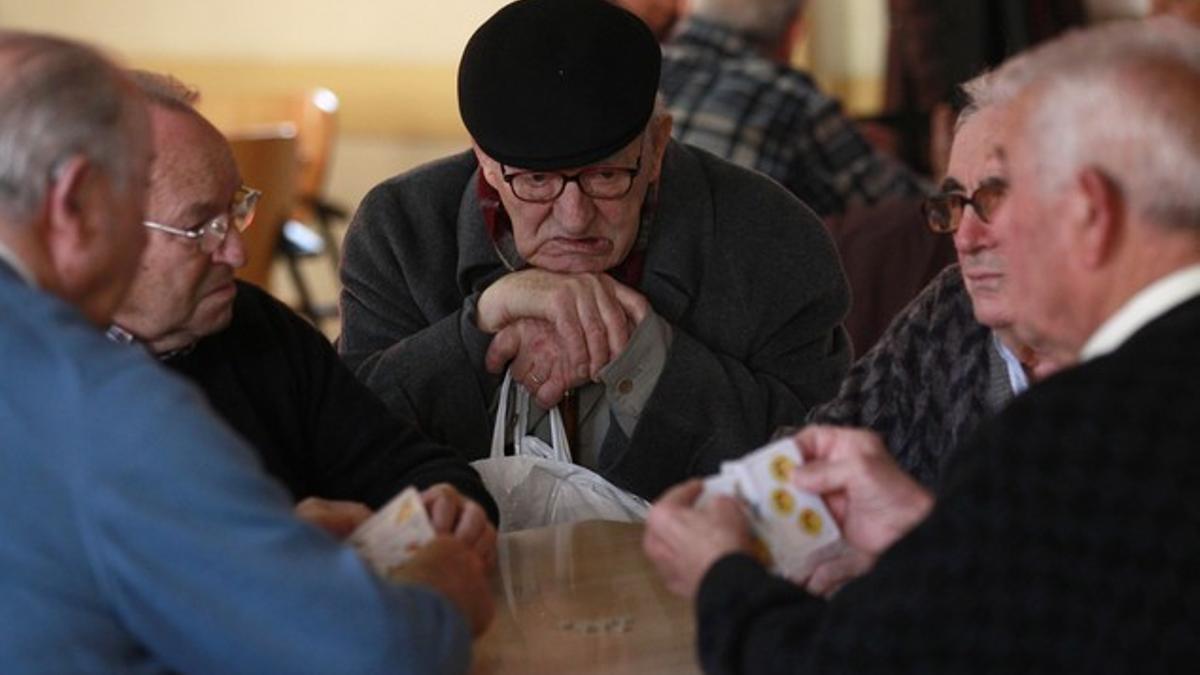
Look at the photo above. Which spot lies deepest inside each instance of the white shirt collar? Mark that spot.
(1145, 306)
(1017, 379)
(7, 255)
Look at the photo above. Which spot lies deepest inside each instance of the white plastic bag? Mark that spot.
(539, 485)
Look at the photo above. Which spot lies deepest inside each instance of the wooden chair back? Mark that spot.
(313, 113)
(266, 157)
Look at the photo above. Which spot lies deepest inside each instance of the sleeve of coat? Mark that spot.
(408, 331)
(359, 449)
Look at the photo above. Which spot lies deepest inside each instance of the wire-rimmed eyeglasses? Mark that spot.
(210, 234)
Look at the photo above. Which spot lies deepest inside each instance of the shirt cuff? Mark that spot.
(630, 379)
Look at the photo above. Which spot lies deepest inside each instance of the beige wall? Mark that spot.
(847, 50)
(392, 62)
(364, 31)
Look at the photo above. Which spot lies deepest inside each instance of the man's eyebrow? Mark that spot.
(952, 185)
(200, 211)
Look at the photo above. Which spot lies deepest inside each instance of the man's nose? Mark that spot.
(232, 251)
(972, 234)
(573, 209)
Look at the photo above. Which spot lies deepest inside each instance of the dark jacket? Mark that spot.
(744, 273)
(1066, 539)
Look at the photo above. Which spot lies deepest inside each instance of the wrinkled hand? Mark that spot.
(448, 566)
(538, 358)
(873, 500)
(453, 514)
(338, 518)
(592, 315)
(684, 541)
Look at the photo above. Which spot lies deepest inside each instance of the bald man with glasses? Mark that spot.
(272, 376)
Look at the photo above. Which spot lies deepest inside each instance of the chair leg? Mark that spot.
(307, 308)
(326, 215)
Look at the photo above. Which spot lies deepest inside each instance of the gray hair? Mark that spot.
(58, 98)
(164, 90)
(1121, 99)
(765, 21)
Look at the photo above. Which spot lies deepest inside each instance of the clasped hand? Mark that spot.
(557, 330)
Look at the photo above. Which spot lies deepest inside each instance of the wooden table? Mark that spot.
(583, 598)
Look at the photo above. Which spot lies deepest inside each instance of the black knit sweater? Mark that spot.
(279, 383)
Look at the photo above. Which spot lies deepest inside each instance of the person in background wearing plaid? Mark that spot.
(729, 86)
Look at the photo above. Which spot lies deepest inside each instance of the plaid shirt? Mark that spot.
(731, 101)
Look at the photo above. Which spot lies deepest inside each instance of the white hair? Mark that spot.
(1121, 99)
(58, 98)
(765, 21)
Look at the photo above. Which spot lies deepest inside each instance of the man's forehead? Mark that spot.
(193, 169)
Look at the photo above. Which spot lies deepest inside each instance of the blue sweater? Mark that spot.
(140, 535)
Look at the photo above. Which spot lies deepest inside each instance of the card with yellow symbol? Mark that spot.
(388, 538)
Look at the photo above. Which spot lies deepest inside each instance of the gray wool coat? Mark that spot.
(744, 273)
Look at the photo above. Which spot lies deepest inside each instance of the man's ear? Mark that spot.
(1097, 212)
(70, 226)
(489, 167)
(66, 204)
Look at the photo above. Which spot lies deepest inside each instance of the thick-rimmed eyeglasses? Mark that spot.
(210, 234)
(944, 212)
(597, 182)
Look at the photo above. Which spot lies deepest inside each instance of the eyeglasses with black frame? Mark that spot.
(597, 182)
(210, 234)
(943, 212)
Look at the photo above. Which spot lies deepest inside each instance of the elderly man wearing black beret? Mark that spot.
(680, 306)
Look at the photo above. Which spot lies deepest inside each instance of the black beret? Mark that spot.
(552, 84)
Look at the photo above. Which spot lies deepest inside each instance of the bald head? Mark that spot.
(183, 292)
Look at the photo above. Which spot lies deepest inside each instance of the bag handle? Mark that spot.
(558, 433)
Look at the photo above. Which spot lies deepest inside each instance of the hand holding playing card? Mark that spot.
(394, 533)
(873, 499)
(453, 514)
(684, 538)
(400, 544)
(794, 527)
(446, 565)
(336, 517)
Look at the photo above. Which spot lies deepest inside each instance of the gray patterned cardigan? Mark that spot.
(929, 381)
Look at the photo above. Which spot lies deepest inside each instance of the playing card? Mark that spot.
(388, 538)
(724, 483)
(795, 526)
